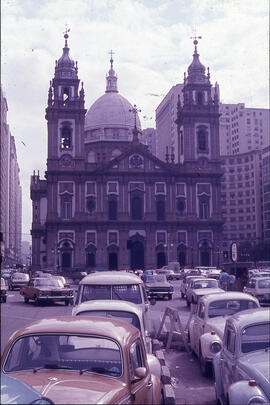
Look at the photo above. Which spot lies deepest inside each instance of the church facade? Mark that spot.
(106, 201)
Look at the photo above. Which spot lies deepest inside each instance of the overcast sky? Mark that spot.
(152, 45)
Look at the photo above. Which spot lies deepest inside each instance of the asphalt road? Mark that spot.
(190, 386)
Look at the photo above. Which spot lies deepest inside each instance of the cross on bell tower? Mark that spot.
(135, 111)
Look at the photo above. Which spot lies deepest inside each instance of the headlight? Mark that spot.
(215, 347)
(257, 400)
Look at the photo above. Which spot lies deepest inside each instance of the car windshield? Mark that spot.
(255, 337)
(264, 283)
(122, 315)
(19, 276)
(205, 284)
(229, 307)
(84, 353)
(129, 292)
(48, 282)
(158, 278)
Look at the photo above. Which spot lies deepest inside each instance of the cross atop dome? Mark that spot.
(195, 42)
(111, 78)
(66, 36)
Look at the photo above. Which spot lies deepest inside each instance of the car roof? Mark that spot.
(110, 305)
(260, 278)
(108, 327)
(111, 278)
(227, 295)
(249, 316)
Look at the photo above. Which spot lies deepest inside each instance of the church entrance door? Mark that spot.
(113, 261)
(205, 258)
(90, 260)
(161, 259)
(137, 256)
(66, 260)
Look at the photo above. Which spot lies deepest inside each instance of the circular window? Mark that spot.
(91, 205)
(180, 205)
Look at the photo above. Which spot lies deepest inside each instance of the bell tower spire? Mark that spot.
(111, 78)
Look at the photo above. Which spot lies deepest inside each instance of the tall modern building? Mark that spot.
(149, 135)
(243, 129)
(266, 193)
(106, 200)
(11, 193)
(241, 199)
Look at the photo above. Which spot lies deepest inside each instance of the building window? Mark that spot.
(112, 187)
(112, 238)
(90, 205)
(66, 137)
(160, 209)
(204, 208)
(161, 237)
(136, 207)
(160, 188)
(66, 206)
(112, 208)
(202, 139)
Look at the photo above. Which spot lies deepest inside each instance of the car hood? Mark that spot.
(157, 285)
(71, 387)
(52, 288)
(204, 291)
(256, 365)
(217, 325)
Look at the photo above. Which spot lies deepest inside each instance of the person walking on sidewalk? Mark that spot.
(224, 280)
(232, 282)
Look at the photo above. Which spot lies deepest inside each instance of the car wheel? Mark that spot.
(169, 296)
(4, 299)
(26, 300)
(36, 300)
(205, 366)
(71, 302)
(182, 295)
(188, 303)
(66, 302)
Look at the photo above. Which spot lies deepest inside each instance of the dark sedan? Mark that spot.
(156, 286)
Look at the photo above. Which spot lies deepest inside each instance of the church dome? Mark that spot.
(110, 110)
(110, 117)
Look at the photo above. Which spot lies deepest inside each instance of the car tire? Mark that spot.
(26, 300)
(71, 302)
(169, 296)
(4, 299)
(36, 300)
(182, 295)
(66, 303)
(205, 367)
(188, 303)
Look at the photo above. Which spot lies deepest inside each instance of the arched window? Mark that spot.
(202, 139)
(112, 208)
(136, 207)
(160, 206)
(66, 138)
(65, 94)
(204, 207)
(66, 206)
(199, 97)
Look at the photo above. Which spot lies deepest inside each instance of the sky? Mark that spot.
(153, 48)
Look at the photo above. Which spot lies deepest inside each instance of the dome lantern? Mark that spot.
(111, 78)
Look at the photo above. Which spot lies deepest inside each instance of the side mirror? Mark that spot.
(140, 372)
(152, 301)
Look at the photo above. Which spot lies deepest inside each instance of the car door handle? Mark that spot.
(149, 385)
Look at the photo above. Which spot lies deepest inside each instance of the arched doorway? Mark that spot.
(205, 258)
(113, 261)
(90, 260)
(182, 258)
(137, 255)
(161, 259)
(66, 260)
(205, 253)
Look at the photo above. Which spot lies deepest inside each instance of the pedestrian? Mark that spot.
(224, 280)
(232, 282)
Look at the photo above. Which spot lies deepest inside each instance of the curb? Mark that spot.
(168, 391)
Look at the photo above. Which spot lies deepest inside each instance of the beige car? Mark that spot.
(82, 360)
(200, 287)
(206, 329)
(185, 283)
(259, 287)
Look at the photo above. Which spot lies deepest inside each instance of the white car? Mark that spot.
(127, 312)
(200, 287)
(185, 283)
(206, 329)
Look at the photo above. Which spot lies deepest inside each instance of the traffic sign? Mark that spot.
(234, 252)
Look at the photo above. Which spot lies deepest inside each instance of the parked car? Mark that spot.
(148, 272)
(241, 368)
(17, 280)
(3, 290)
(157, 286)
(170, 275)
(47, 289)
(63, 280)
(200, 287)
(15, 391)
(83, 360)
(206, 329)
(185, 282)
(127, 312)
(76, 275)
(41, 274)
(259, 287)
